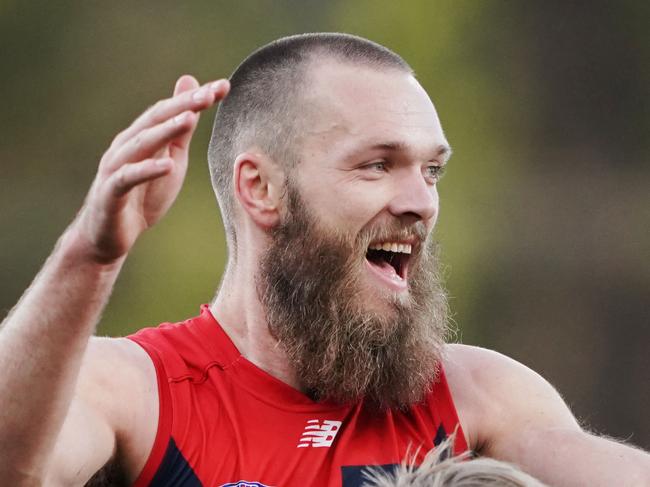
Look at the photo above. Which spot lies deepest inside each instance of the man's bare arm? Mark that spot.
(511, 413)
(41, 346)
(43, 340)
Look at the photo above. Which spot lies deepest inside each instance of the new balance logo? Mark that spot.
(319, 434)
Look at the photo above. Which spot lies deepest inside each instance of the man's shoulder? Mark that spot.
(115, 365)
(488, 376)
(494, 393)
(468, 366)
(480, 365)
(459, 354)
(120, 351)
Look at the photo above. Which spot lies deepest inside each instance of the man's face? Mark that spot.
(349, 282)
(370, 159)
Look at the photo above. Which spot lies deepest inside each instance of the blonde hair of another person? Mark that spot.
(441, 469)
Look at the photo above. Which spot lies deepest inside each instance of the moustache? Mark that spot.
(415, 234)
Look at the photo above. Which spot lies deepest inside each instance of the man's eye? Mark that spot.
(434, 172)
(378, 166)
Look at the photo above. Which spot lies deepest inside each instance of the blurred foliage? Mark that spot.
(545, 206)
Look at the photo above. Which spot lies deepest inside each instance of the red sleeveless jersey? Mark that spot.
(225, 422)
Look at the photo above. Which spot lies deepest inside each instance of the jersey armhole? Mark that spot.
(163, 432)
(450, 415)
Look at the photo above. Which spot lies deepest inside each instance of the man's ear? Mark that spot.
(258, 187)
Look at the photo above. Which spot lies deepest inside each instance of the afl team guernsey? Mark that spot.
(225, 422)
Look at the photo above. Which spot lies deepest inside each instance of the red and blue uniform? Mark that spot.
(225, 422)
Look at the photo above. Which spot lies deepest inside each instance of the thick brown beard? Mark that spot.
(309, 284)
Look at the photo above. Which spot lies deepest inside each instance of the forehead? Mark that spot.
(351, 106)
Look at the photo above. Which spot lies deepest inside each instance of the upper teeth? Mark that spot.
(392, 247)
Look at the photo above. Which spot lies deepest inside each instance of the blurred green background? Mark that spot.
(545, 206)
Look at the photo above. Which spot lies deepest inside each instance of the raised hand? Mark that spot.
(142, 172)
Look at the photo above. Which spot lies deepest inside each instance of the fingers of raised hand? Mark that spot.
(185, 83)
(193, 100)
(130, 175)
(146, 143)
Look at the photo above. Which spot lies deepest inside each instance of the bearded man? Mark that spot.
(322, 354)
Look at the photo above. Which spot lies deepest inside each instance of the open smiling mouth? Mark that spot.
(389, 260)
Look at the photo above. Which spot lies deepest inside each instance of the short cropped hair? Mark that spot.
(441, 469)
(264, 109)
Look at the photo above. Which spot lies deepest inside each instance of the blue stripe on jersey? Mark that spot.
(174, 470)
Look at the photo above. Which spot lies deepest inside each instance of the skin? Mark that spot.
(70, 421)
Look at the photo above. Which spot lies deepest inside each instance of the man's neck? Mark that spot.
(240, 313)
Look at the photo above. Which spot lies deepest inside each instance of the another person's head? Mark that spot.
(325, 158)
(441, 469)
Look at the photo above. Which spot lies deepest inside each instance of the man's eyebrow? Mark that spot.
(445, 151)
(442, 150)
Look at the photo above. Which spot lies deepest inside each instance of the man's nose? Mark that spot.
(414, 197)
